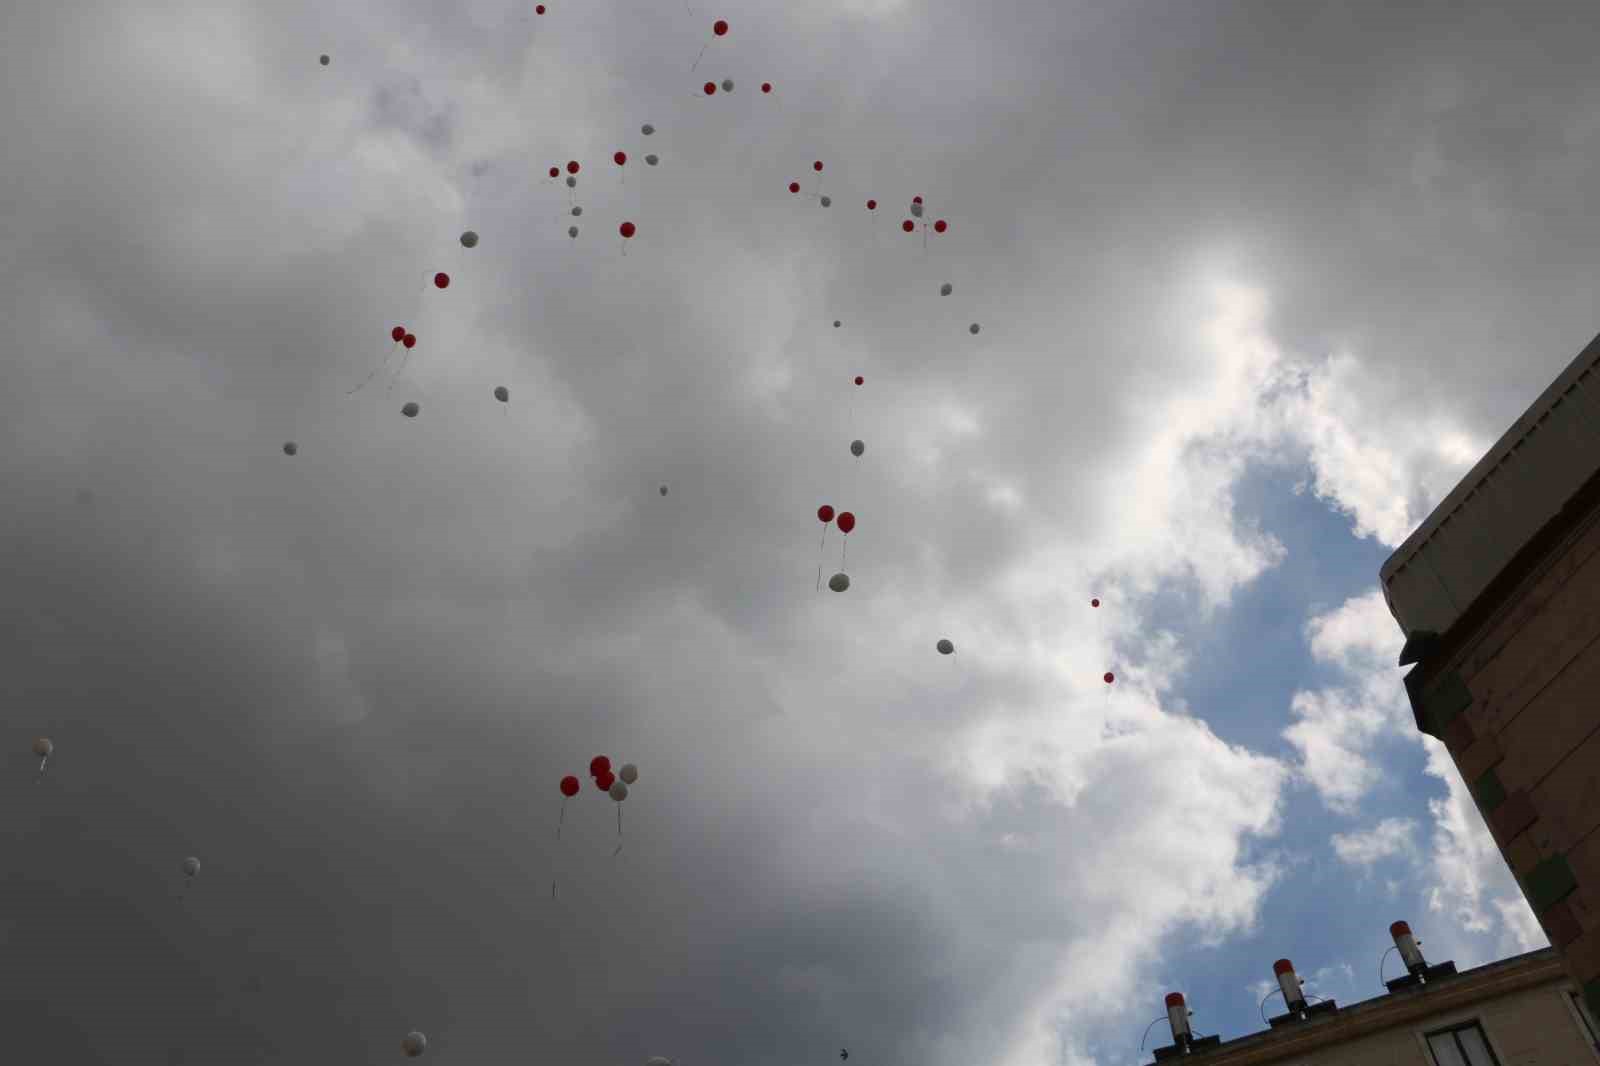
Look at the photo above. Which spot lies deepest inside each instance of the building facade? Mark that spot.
(1498, 596)
(1522, 1011)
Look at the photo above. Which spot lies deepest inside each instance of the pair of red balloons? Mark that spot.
(402, 337)
(847, 521)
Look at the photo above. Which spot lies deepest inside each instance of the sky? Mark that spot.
(1257, 284)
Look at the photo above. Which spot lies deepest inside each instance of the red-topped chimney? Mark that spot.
(1407, 945)
(1289, 982)
(1178, 1017)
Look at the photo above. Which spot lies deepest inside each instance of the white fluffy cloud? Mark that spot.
(1336, 728)
(1458, 870)
(1389, 838)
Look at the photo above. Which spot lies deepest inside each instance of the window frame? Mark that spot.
(1438, 1027)
(1575, 1006)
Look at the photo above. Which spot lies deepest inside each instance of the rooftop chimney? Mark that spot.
(1184, 1042)
(1178, 1018)
(1417, 969)
(1289, 984)
(1409, 951)
(1283, 969)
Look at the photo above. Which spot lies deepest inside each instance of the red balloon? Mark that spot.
(621, 158)
(908, 225)
(719, 27)
(538, 9)
(824, 514)
(766, 86)
(711, 88)
(916, 199)
(847, 521)
(794, 186)
(940, 226)
(860, 380)
(1094, 602)
(398, 333)
(626, 229)
(872, 205)
(555, 172)
(572, 167)
(1110, 677)
(817, 165)
(605, 781)
(569, 786)
(411, 340)
(442, 280)
(599, 765)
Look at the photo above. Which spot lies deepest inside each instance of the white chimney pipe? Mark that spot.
(1289, 982)
(1408, 947)
(1178, 1017)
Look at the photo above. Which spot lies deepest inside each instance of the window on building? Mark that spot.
(1581, 1009)
(1461, 1045)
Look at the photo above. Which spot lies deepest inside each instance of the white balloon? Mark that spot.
(572, 181)
(827, 201)
(973, 329)
(945, 647)
(652, 159)
(946, 289)
(411, 410)
(469, 239)
(857, 447)
(916, 210)
(43, 747)
(727, 85)
(629, 772)
(577, 212)
(191, 866)
(839, 582)
(647, 129)
(290, 447)
(618, 791)
(572, 231)
(414, 1044)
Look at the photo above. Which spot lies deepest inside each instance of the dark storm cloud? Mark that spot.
(349, 682)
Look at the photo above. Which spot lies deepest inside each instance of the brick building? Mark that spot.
(1498, 596)
(1522, 1011)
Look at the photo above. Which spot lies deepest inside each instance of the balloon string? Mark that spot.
(843, 548)
(820, 544)
(697, 59)
(389, 355)
(561, 818)
(398, 373)
(614, 854)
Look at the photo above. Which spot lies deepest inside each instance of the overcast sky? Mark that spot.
(1257, 283)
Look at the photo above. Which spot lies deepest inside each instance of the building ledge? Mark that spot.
(1386, 1012)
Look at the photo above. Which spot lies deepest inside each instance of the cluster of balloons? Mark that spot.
(840, 581)
(616, 784)
(612, 784)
